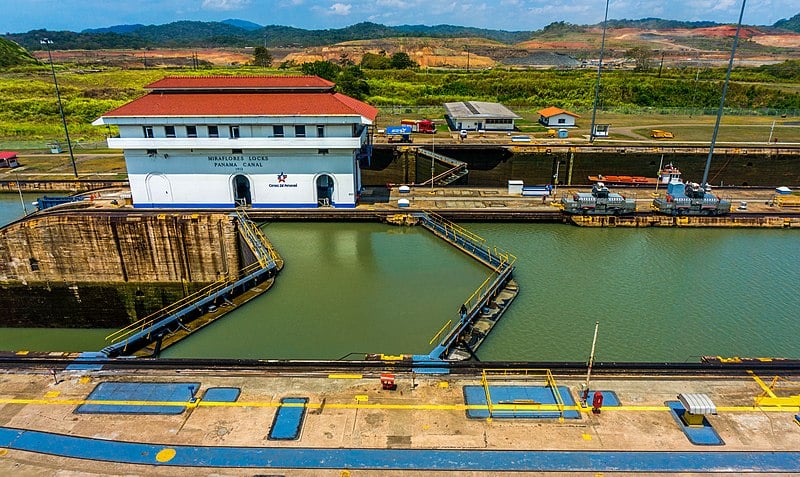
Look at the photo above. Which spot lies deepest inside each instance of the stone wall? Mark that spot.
(106, 269)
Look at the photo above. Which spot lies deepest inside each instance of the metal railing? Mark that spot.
(526, 374)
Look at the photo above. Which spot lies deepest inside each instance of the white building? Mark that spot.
(557, 118)
(480, 116)
(260, 141)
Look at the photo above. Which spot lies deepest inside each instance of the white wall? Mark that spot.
(205, 179)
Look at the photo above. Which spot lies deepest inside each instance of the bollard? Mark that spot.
(597, 402)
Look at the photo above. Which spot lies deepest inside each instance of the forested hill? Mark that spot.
(790, 23)
(230, 33)
(239, 33)
(11, 54)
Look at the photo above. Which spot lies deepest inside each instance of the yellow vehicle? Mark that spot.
(660, 134)
(550, 133)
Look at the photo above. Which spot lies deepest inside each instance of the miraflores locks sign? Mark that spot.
(238, 162)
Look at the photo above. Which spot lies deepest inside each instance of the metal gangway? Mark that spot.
(500, 262)
(152, 328)
(457, 170)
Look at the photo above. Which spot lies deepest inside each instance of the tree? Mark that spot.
(352, 82)
(262, 57)
(372, 61)
(323, 69)
(401, 61)
(641, 55)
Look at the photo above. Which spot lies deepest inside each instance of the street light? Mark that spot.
(47, 42)
(597, 82)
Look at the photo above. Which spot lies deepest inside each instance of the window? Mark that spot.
(277, 131)
(148, 131)
(561, 120)
(322, 151)
(169, 131)
(320, 130)
(234, 132)
(191, 131)
(34, 264)
(236, 151)
(213, 131)
(300, 131)
(152, 152)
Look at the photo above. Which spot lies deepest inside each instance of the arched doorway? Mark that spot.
(324, 190)
(241, 191)
(158, 189)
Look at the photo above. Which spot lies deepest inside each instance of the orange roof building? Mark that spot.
(259, 141)
(557, 118)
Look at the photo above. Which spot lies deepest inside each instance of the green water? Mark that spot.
(659, 294)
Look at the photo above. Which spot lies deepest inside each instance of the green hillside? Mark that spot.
(12, 54)
(789, 23)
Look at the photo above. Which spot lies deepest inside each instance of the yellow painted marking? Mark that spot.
(344, 473)
(587, 437)
(3, 452)
(362, 403)
(52, 394)
(85, 380)
(761, 383)
(344, 376)
(23, 352)
(391, 357)
(165, 455)
(444, 384)
(425, 427)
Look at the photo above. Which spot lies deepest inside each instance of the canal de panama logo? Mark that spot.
(282, 181)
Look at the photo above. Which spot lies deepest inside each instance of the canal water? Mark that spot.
(659, 295)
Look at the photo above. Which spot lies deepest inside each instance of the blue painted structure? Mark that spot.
(400, 459)
(47, 202)
(289, 419)
(476, 396)
(704, 435)
(143, 392)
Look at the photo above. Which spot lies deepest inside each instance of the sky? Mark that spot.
(23, 15)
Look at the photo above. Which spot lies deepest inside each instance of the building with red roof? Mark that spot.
(557, 118)
(259, 141)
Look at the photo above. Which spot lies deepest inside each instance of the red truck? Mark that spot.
(420, 125)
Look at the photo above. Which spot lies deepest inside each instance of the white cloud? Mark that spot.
(224, 5)
(342, 9)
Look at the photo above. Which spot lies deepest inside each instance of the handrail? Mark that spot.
(267, 258)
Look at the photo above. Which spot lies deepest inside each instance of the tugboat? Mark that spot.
(599, 202)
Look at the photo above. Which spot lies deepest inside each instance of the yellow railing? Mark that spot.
(441, 330)
(505, 258)
(526, 374)
(263, 262)
(143, 323)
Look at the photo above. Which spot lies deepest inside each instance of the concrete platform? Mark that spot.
(352, 425)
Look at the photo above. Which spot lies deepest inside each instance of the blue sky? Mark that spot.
(24, 15)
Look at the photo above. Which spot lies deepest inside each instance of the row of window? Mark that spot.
(154, 152)
(233, 131)
(499, 121)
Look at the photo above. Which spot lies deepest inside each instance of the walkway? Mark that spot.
(395, 459)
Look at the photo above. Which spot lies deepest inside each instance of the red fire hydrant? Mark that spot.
(597, 402)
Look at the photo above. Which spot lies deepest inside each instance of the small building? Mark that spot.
(479, 116)
(557, 117)
(8, 159)
(256, 141)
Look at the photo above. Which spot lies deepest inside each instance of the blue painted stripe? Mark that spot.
(184, 205)
(400, 459)
(280, 205)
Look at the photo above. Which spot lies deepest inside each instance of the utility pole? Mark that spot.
(585, 393)
(599, 67)
(722, 100)
(47, 42)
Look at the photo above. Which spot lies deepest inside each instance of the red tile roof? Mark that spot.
(240, 82)
(552, 111)
(7, 155)
(245, 104)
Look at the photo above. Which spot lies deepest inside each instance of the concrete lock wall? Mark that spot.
(103, 270)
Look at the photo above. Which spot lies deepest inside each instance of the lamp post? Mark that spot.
(47, 42)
